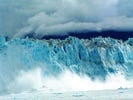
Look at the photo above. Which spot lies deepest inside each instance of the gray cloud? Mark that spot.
(48, 17)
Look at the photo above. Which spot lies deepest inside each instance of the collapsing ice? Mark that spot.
(96, 58)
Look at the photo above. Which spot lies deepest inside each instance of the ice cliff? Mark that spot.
(95, 58)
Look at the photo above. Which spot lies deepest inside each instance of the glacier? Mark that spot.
(96, 58)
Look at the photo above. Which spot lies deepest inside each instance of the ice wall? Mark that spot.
(96, 58)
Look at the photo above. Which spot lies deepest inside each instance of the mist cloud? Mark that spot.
(48, 17)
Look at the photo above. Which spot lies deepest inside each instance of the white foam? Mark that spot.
(66, 82)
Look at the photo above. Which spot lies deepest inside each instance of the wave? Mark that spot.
(79, 64)
(34, 80)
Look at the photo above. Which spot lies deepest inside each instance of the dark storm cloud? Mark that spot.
(48, 17)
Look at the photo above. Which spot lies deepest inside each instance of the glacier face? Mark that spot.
(95, 58)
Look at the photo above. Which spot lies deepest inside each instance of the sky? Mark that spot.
(59, 17)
